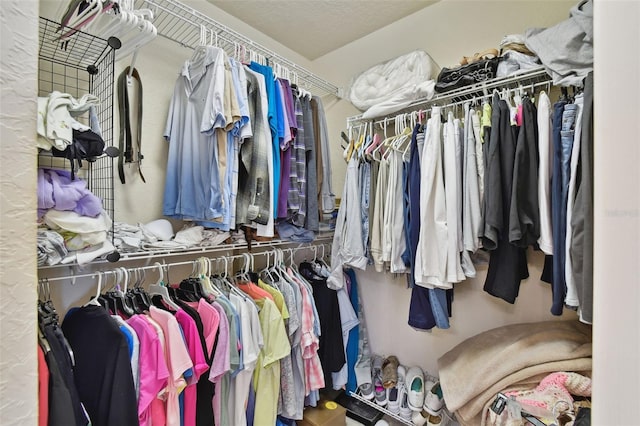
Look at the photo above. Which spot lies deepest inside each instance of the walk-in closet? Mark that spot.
(324, 213)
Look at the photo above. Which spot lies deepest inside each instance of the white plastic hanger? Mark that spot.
(160, 288)
(134, 39)
(94, 300)
(83, 19)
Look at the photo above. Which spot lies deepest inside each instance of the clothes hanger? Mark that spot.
(137, 37)
(46, 311)
(83, 18)
(160, 289)
(207, 285)
(232, 288)
(128, 302)
(140, 298)
(266, 272)
(94, 300)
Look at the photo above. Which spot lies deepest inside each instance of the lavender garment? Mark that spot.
(285, 161)
(288, 103)
(57, 191)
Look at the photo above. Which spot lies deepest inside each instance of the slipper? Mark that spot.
(390, 372)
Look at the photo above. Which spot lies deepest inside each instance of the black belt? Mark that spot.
(126, 151)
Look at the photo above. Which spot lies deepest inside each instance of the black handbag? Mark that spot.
(466, 75)
(86, 145)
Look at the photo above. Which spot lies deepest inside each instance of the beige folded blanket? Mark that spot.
(472, 373)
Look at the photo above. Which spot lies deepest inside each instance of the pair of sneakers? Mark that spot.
(368, 376)
(431, 411)
(434, 400)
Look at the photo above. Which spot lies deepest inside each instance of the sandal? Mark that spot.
(486, 54)
(390, 372)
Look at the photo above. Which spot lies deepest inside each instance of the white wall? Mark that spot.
(616, 330)
(18, 91)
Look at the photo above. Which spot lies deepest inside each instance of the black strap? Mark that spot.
(125, 141)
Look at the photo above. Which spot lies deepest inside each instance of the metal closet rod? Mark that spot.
(181, 24)
(292, 251)
(390, 120)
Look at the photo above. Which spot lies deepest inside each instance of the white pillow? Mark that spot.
(392, 79)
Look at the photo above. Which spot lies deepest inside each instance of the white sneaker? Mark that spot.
(403, 397)
(415, 388)
(402, 375)
(434, 401)
(394, 401)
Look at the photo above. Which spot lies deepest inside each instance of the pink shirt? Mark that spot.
(178, 361)
(196, 352)
(153, 368)
(309, 344)
(210, 322)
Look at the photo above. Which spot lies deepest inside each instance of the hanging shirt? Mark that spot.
(277, 129)
(454, 272)
(196, 353)
(471, 214)
(309, 342)
(221, 363)
(327, 197)
(153, 367)
(241, 130)
(251, 334)
(266, 379)
(178, 361)
(192, 185)
(545, 167)
(226, 150)
(347, 248)
(134, 351)
(108, 393)
(431, 253)
(508, 263)
(331, 348)
(311, 167)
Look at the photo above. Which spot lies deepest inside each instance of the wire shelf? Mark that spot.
(528, 81)
(182, 24)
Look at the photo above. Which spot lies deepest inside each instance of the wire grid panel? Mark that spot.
(78, 65)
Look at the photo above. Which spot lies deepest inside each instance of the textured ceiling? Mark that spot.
(316, 27)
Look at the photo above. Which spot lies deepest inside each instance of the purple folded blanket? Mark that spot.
(57, 191)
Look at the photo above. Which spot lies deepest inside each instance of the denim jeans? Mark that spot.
(438, 299)
(365, 186)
